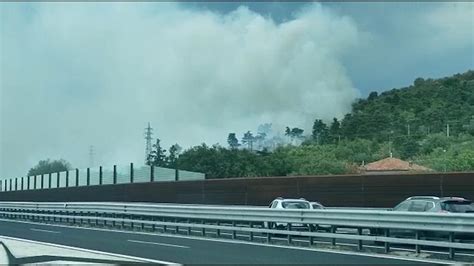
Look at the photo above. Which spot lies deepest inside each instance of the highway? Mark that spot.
(182, 249)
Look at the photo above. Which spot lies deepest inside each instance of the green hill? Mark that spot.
(409, 123)
(426, 107)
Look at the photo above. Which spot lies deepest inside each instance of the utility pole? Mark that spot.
(445, 161)
(91, 156)
(390, 144)
(148, 139)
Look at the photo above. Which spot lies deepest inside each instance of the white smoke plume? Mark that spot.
(75, 75)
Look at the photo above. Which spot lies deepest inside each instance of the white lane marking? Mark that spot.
(92, 251)
(228, 241)
(46, 231)
(156, 243)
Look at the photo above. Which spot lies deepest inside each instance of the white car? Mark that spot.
(319, 206)
(288, 204)
(316, 205)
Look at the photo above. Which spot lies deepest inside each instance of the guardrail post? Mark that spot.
(333, 231)
(16, 184)
(234, 233)
(289, 236)
(77, 177)
(49, 180)
(67, 178)
(218, 231)
(57, 180)
(115, 174)
(22, 183)
(10, 184)
(131, 172)
(88, 177)
(251, 232)
(451, 250)
(28, 182)
(387, 244)
(152, 173)
(359, 243)
(1, 185)
(34, 183)
(176, 174)
(114, 215)
(42, 181)
(100, 175)
(417, 247)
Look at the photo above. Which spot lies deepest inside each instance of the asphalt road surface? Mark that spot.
(184, 250)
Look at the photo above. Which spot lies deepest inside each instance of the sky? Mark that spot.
(74, 75)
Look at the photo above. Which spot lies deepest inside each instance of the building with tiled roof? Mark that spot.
(392, 165)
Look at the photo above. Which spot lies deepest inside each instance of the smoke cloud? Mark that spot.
(75, 75)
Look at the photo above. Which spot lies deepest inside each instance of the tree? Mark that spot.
(335, 130)
(219, 162)
(47, 166)
(433, 141)
(294, 133)
(407, 146)
(320, 131)
(297, 133)
(157, 156)
(470, 126)
(248, 139)
(174, 152)
(418, 82)
(233, 141)
(259, 139)
(265, 128)
(372, 96)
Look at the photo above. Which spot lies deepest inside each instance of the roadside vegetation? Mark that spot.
(430, 123)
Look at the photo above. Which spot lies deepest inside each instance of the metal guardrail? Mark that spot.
(442, 230)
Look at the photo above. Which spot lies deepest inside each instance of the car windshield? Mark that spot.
(403, 206)
(458, 206)
(295, 205)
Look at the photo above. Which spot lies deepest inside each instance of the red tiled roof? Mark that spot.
(394, 164)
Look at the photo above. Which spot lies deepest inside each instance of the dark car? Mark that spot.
(431, 204)
(435, 204)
